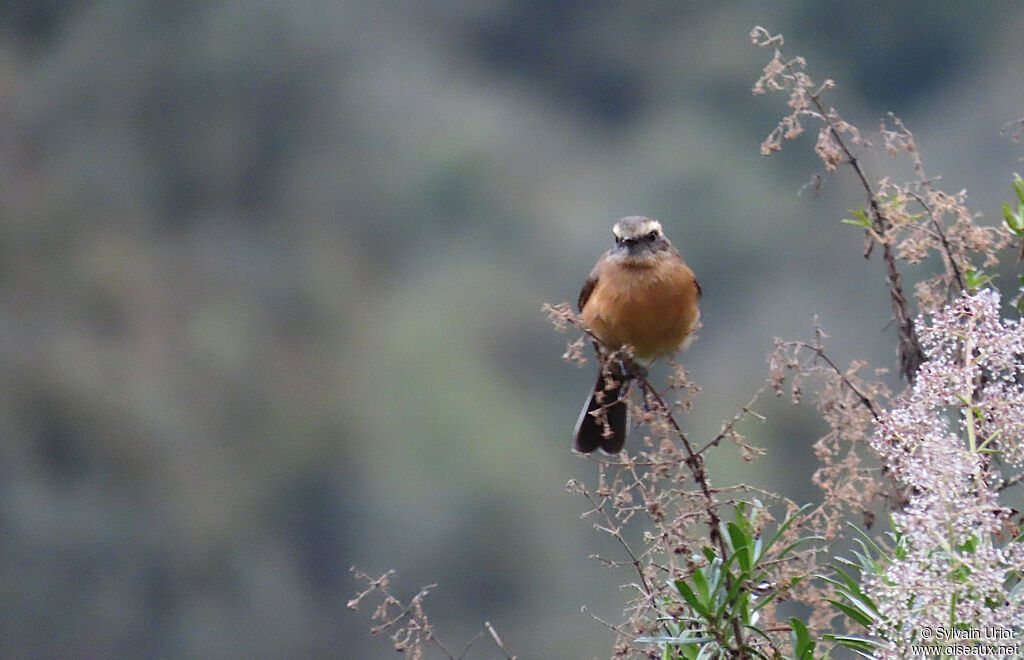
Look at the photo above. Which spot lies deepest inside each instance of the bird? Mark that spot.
(640, 294)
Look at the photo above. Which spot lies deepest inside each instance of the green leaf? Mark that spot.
(865, 540)
(803, 647)
(852, 592)
(716, 579)
(668, 639)
(730, 598)
(962, 573)
(741, 542)
(849, 583)
(861, 216)
(700, 582)
(691, 598)
(792, 546)
(850, 563)
(785, 525)
(976, 279)
(863, 646)
(1018, 185)
(864, 604)
(724, 567)
(970, 545)
(1013, 221)
(852, 612)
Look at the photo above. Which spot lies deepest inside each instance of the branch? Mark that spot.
(695, 462)
(497, 640)
(911, 354)
(946, 247)
(728, 427)
(820, 352)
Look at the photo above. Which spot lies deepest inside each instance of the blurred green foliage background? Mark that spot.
(271, 276)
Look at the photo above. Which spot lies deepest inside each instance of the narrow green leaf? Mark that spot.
(861, 216)
(1013, 221)
(700, 583)
(795, 544)
(849, 584)
(855, 643)
(730, 599)
(852, 612)
(741, 542)
(867, 543)
(803, 647)
(691, 598)
(785, 524)
(1018, 185)
(665, 639)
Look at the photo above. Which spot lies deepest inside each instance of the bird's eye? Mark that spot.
(651, 236)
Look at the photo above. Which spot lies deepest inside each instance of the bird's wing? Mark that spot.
(588, 288)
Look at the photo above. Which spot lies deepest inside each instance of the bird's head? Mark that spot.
(639, 240)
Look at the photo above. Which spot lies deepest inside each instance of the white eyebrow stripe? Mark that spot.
(645, 227)
(649, 226)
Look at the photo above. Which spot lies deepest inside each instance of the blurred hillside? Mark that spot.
(271, 276)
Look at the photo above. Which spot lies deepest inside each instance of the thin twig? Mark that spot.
(469, 644)
(615, 531)
(911, 354)
(696, 464)
(728, 427)
(820, 352)
(609, 626)
(947, 248)
(1012, 481)
(497, 640)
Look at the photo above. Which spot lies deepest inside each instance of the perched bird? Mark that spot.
(642, 294)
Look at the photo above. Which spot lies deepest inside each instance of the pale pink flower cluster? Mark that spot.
(944, 442)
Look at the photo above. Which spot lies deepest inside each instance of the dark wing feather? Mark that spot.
(588, 288)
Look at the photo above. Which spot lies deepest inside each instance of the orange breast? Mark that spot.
(652, 309)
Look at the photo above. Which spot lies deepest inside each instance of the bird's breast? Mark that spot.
(653, 309)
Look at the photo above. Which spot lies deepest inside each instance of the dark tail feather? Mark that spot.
(607, 427)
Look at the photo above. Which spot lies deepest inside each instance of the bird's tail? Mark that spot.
(605, 416)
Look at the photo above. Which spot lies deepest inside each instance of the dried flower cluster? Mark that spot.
(412, 634)
(788, 75)
(923, 220)
(915, 218)
(943, 442)
(849, 402)
(911, 221)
